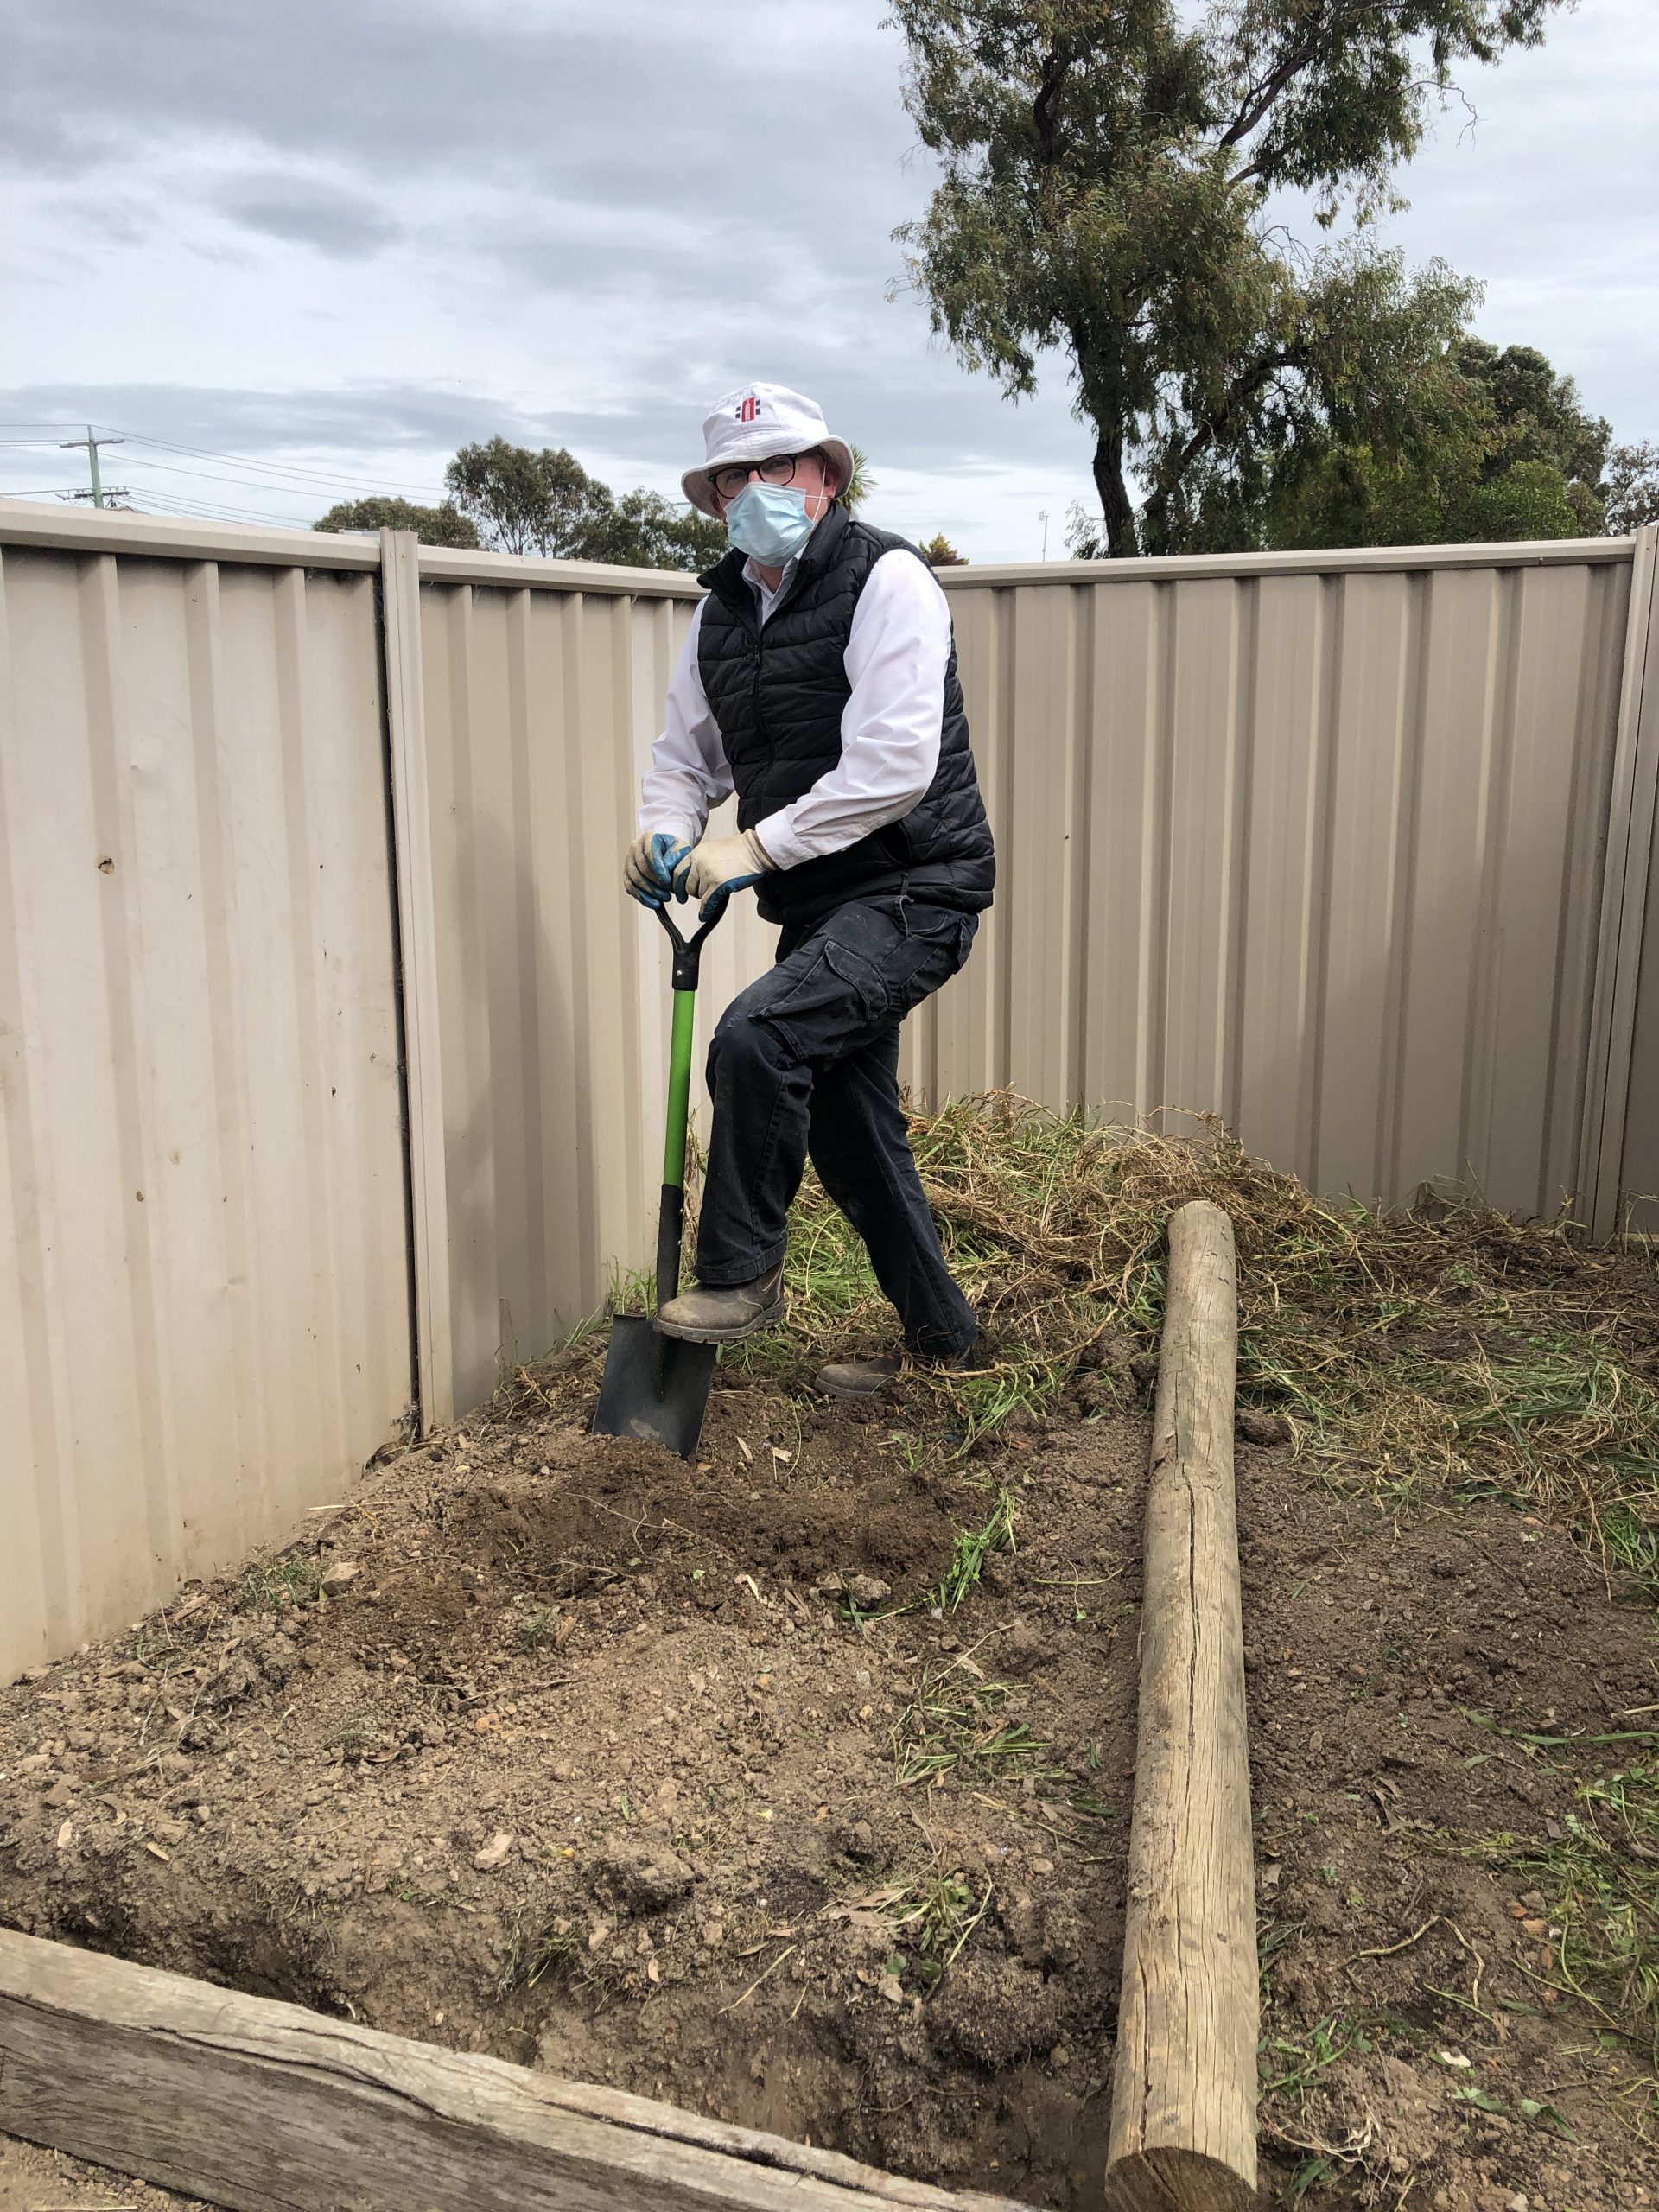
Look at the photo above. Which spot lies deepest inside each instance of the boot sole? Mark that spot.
(726, 1336)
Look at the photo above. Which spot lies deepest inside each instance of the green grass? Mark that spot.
(973, 1548)
(1443, 1351)
(534, 1953)
(1601, 1880)
(1292, 2068)
(353, 1736)
(279, 1583)
(953, 1721)
(932, 1918)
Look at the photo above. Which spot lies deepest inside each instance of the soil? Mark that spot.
(554, 1747)
(32, 2180)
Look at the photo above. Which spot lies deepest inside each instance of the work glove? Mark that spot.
(649, 864)
(712, 870)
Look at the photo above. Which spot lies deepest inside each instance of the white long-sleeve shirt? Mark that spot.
(895, 660)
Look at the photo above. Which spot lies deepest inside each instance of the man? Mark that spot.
(819, 683)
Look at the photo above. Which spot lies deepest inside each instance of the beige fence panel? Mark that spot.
(204, 1305)
(1620, 1175)
(1313, 842)
(543, 684)
(1639, 1185)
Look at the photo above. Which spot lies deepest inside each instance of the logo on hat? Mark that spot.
(750, 410)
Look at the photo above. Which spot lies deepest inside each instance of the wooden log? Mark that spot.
(266, 2107)
(1182, 2135)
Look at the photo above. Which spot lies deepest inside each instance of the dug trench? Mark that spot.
(694, 1780)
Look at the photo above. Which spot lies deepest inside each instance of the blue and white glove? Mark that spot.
(649, 865)
(712, 870)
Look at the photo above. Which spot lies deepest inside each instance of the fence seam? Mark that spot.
(1623, 903)
(417, 967)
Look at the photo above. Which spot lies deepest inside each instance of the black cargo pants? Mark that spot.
(805, 1063)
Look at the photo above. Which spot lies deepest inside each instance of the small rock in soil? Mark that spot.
(646, 1876)
(1261, 1428)
(996, 2013)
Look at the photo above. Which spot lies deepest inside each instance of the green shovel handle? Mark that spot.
(688, 953)
(679, 1088)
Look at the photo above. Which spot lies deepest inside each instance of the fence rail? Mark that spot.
(331, 1059)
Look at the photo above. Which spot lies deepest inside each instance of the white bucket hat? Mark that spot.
(754, 423)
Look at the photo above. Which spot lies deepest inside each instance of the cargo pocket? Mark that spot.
(935, 945)
(830, 1008)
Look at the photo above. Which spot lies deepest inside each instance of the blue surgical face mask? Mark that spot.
(769, 522)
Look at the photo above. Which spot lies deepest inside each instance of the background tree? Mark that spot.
(527, 502)
(1106, 165)
(444, 526)
(1498, 448)
(1537, 417)
(1632, 487)
(644, 531)
(940, 553)
(860, 484)
(523, 501)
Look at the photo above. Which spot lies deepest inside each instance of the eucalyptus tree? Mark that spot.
(1109, 175)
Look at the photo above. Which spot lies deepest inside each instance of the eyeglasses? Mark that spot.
(776, 469)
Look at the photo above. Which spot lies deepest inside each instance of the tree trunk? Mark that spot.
(1115, 504)
(1183, 2133)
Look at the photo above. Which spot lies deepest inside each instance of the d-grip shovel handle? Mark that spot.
(687, 951)
(670, 1220)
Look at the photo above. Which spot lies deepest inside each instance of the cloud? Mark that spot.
(333, 217)
(345, 239)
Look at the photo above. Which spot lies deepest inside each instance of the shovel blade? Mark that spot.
(654, 1387)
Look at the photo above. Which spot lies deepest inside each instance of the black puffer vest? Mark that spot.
(777, 694)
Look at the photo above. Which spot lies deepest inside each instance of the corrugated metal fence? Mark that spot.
(1355, 849)
(1317, 847)
(204, 1304)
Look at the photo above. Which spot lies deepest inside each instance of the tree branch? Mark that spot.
(1211, 427)
(1260, 97)
(1056, 65)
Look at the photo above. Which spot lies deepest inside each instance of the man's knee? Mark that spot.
(740, 1043)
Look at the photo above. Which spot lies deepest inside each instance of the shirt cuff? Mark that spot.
(778, 842)
(669, 826)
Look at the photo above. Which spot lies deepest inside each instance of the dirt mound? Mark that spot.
(558, 1748)
(806, 1512)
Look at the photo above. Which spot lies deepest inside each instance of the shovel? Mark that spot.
(656, 1387)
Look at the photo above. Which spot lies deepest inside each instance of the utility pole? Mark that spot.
(92, 444)
(1042, 514)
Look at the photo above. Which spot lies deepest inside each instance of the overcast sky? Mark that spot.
(340, 237)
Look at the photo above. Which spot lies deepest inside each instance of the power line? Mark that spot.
(304, 476)
(275, 476)
(300, 475)
(166, 503)
(206, 476)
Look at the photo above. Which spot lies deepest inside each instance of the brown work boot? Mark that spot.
(862, 1378)
(858, 1378)
(727, 1315)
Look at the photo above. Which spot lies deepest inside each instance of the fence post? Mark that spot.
(400, 616)
(1624, 902)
